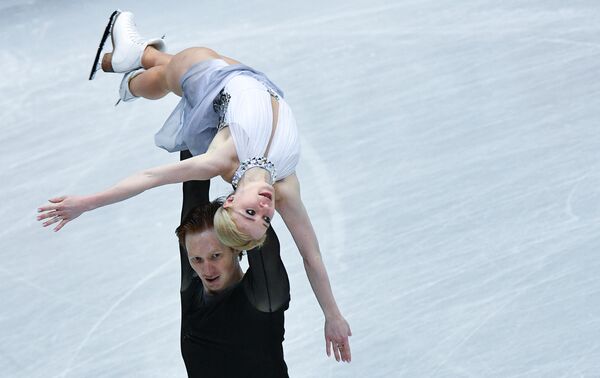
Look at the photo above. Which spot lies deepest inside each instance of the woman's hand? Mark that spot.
(62, 209)
(337, 331)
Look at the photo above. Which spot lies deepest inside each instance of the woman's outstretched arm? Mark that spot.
(66, 208)
(292, 210)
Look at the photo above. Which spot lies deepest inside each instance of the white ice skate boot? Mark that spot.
(128, 45)
(125, 94)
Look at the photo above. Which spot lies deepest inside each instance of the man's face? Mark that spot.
(216, 265)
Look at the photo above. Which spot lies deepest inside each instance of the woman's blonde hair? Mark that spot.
(228, 233)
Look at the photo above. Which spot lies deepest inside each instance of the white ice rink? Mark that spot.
(451, 167)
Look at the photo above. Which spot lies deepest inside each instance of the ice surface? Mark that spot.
(450, 165)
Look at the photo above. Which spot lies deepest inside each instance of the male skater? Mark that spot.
(232, 322)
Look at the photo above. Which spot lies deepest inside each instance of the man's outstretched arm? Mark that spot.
(195, 193)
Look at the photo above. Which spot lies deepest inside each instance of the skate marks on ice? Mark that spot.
(583, 201)
(526, 279)
(71, 365)
(459, 336)
(298, 27)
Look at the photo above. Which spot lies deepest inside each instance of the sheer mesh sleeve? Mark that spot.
(267, 285)
(195, 193)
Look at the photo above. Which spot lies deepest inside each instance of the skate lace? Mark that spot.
(133, 34)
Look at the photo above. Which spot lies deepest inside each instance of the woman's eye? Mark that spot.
(250, 212)
(267, 219)
(216, 256)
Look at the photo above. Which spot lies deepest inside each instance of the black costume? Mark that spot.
(239, 332)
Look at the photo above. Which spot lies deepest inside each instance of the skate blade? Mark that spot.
(111, 21)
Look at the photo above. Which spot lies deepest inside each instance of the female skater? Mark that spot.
(237, 124)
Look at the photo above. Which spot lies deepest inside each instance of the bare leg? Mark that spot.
(164, 71)
(150, 84)
(183, 61)
(153, 57)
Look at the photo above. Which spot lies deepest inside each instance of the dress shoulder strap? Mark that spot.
(275, 112)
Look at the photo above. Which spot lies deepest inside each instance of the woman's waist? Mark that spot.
(245, 84)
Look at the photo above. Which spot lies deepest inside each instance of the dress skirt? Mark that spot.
(193, 123)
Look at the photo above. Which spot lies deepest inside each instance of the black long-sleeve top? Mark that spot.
(239, 332)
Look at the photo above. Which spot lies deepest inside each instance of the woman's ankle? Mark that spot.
(151, 57)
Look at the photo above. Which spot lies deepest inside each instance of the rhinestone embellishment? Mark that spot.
(260, 162)
(220, 104)
(273, 94)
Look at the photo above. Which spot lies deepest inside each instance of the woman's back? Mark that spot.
(249, 115)
(193, 123)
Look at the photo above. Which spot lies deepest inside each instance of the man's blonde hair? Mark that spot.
(228, 233)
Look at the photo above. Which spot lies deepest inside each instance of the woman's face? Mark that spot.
(252, 208)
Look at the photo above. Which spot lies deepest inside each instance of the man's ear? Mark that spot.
(228, 202)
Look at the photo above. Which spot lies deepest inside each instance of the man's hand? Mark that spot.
(337, 331)
(61, 209)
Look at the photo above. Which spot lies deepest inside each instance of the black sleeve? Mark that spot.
(266, 282)
(195, 193)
